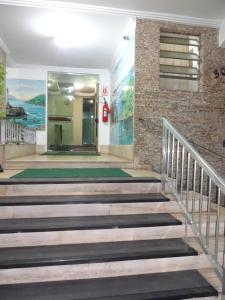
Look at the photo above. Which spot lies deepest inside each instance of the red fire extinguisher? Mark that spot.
(105, 112)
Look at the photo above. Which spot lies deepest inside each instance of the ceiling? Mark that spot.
(26, 45)
(209, 9)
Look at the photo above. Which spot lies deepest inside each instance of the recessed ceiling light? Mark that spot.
(67, 30)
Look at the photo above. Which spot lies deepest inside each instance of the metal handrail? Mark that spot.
(211, 172)
(202, 185)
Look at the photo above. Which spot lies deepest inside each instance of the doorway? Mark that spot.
(88, 121)
(72, 112)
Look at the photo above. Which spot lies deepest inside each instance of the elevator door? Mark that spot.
(88, 121)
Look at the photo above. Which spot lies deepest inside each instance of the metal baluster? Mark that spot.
(18, 134)
(182, 174)
(217, 230)
(177, 165)
(10, 132)
(164, 157)
(201, 200)
(168, 156)
(7, 132)
(14, 133)
(172, 158)
(3, 132)
(208, 213)
(188, 175)
(6, 140)
(194, 185)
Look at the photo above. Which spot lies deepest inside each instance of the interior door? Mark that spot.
(88, 121)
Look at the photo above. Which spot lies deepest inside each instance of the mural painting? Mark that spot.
(26, 102)
(121, 130)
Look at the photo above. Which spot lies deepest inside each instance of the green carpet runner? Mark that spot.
(70, 173)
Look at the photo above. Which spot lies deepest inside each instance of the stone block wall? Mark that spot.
(199, 116)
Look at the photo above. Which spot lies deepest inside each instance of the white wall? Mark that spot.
(41, 73)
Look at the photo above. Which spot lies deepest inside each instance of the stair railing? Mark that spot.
(11, 133)
(199, 191)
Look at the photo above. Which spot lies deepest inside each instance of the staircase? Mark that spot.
(116, 239)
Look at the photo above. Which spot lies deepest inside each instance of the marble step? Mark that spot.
(86, 223)
(26, 164)
(79, 186)
(105, 269)
(27, 239)
(72, 210)
(82, 199)
(93, 253)
(168, 285)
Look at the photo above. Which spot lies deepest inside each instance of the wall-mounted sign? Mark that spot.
(104, 92)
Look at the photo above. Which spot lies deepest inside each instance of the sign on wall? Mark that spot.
(104, 92)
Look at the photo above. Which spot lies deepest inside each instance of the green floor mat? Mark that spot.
(70, 173)
(68, 153)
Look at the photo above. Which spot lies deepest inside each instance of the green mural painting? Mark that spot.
(122, 106)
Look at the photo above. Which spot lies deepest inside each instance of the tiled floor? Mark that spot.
(104, 158)
(9, 173)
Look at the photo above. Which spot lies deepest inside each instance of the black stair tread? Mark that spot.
(168, 285)
(20, 257)
(87, 222)
(82, 199)
(18, 181)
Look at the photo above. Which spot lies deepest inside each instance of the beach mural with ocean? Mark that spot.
(122, 103)
(26, 102)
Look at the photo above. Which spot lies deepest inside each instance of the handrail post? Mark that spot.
(164, 158)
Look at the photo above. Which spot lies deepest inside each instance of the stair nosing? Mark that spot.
(191, 284)
(181, 249)
(81, 180)
(130, 221)
(83, 199)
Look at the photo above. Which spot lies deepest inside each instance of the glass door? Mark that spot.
(88, 121)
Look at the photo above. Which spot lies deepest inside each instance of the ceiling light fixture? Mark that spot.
(91, 85)
(78, 86)
(67, 30)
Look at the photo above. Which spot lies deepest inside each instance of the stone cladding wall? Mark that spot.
(199, 116)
